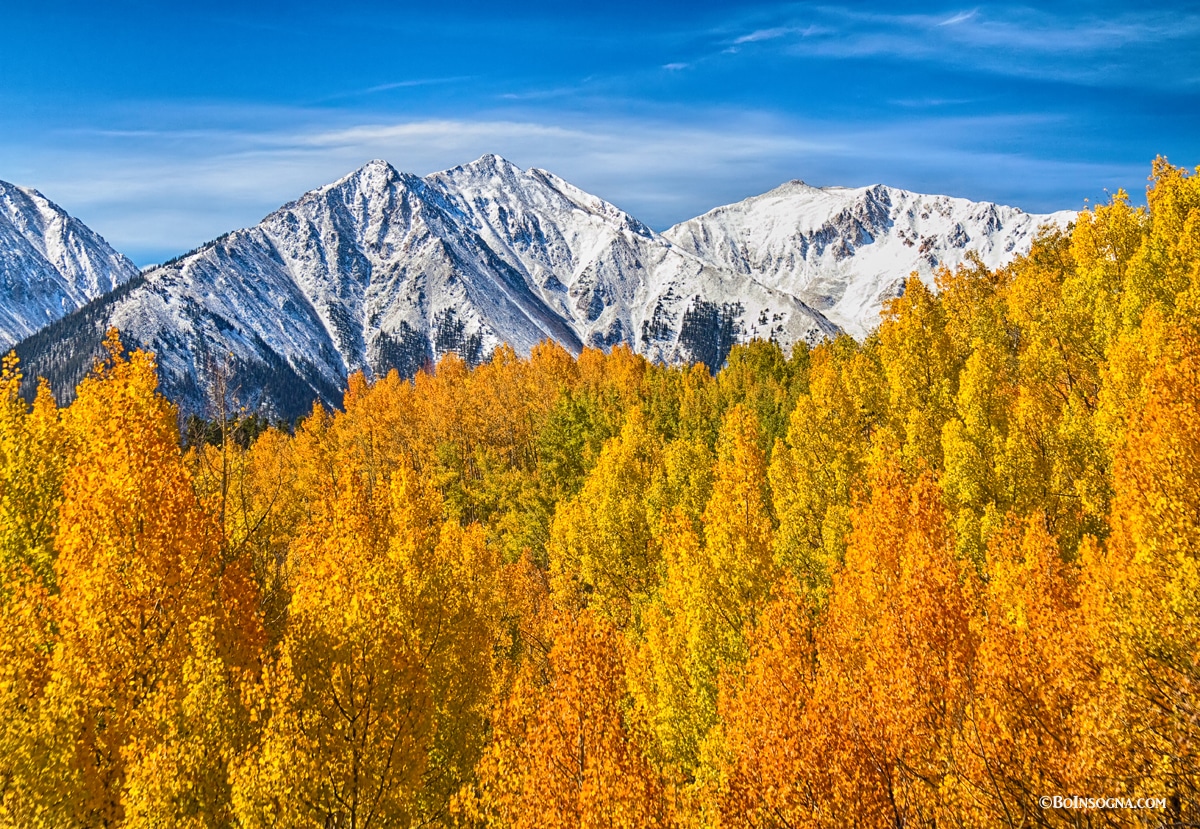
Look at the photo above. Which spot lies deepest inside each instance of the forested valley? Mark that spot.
(920, 580)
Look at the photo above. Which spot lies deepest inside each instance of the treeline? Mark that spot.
(923, 580)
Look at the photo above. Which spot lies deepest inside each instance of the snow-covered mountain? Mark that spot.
(50, 263)
(384, 270)
(847, 251)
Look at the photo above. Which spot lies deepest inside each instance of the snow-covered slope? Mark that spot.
(50, 263)
(846, 251)
(385, 270)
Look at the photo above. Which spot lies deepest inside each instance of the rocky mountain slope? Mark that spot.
(846, 251)
(50, 263)
(610, 277)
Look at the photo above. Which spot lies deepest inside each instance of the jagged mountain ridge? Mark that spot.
(50, 263)
(846, 251)
(383, 270)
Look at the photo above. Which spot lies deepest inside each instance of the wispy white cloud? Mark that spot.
(1027, 41)
(414, 82)
(766, 34)
(779, 32)
(929, 103)
(961, 17)
(410, 83)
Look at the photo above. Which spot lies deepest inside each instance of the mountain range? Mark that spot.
(384, 270)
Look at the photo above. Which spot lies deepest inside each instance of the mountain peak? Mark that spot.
(50, 263)
(7, 187)
(491, 160)
(374, 170)
(489, 164)
(846, 250)
(377, 168)
(377, 165)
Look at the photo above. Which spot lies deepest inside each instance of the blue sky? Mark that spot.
(164, 125)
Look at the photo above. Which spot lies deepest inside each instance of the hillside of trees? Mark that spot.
(918, 581)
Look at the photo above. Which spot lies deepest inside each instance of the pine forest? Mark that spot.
(922, 580)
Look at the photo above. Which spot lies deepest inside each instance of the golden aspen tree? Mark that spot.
(1026, 730)
(756, 374)
(775, 771)
(1148, 586)
(375, 706)
(616, 378)
(178, 773)
(569, 441)
(1059, 465)
(458, 616)
(524, 496)
(895, 649)
(974, 299)
(671, 661)
(921, 372)
(137, 564)
(26, 639)
(711, 594)
(601, 549)
(685, 483)
(499, 446)
(978, 476)
(564, 754)
(32, 755)
(738, 528)
(815, 473)
(524, 605)
(269, 508)
(1163, 272)
(698, 417)
(977, 480)
(1163, 286)
(1103, 245)
(661, 399)
(346, 704)
(245, 491)
(36, 744)
(32, 458)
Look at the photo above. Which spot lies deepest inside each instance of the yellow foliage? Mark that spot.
(137, 562)
(564, 754)
(920, 580)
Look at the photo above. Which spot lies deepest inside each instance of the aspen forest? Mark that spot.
(920, 580)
